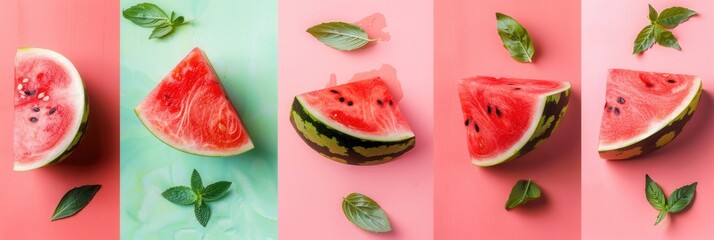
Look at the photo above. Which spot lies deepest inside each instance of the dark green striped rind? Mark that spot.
(342, 147)
(657, 140)
(555, 107)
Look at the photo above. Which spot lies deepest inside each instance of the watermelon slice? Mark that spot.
(506, 118)
(190, 111)
(644, 111)
(356, 123)
(50, 108)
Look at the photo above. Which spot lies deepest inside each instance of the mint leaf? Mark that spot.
(661, 215)
(216, 190)
(654, 194)
(74, 200)
(522, 192)
(365, 213)
(202, 212)
(671, 17)
(645, 39)
(151, 16)
(665, 38)
(180, 195)
(146, 15)
(515, 38)
(681, 198)
(653, 14)
(340, 35)
(196, 183)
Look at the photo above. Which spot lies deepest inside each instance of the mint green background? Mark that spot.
(240, 39)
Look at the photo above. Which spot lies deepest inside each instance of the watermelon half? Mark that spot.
(644, 111)
(189, 111)
(356, 123)
(506, 118)
(50, 108)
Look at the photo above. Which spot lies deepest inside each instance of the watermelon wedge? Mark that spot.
(506, 118)
(50, 108)
(189, 111)
(644, 111)
(356, 123)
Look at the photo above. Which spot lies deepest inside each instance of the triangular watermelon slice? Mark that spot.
(644, 111)
(506, 118)
(190, 111)
(356, 123)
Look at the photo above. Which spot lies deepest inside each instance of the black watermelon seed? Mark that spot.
(35, 109)
(489, 109)
(53, 110)
(349, 103)
(380, 102)
(390, 103)
(510, 84)
(621, 100)
(33, 119)
(498, 112)
(609, 109)
(671, 81)
(617, 111)
(334, 91)
(467, 122)
(30, 92)
(517, 88)
(476, 127)
(342, 99)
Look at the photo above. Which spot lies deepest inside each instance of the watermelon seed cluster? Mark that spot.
(350, 103)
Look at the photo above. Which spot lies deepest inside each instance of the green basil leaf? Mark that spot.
(681, 198)
(365, 213)
(178, 21)
(146, 15)
(654, 194)
(74, 200)
(515, 38)
(203, 213)
(671, 17)
(522, 192)
(666, 38)
(215, 191)
(661, 215)
(196, 183)
(653, 14)
(162, 31)
(340, 35)
(180, 195)
(645, 39)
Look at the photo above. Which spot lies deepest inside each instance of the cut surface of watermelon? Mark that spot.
(645, 111)
(50, 108)
(505, 118)
(356, 123)
(190, 111)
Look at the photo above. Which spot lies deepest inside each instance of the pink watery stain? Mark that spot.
(388, 74)
(374, 26)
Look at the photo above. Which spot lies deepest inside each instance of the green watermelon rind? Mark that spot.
(245, 148)
(659, 138)
(342, 147)
(79, 135)
(555, 106)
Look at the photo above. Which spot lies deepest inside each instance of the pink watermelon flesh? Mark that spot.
(49, 108)
(501, 114)
(364, 109)
(639, 103)
(190, 111)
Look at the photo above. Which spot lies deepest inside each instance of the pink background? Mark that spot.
(311, 187)
(86, 32)
(469, 200)
(614, 203)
